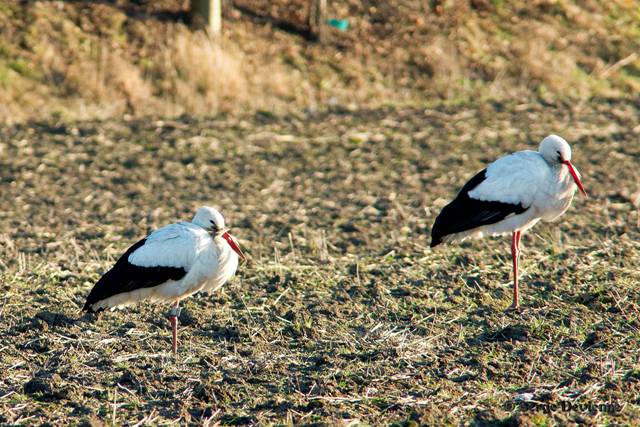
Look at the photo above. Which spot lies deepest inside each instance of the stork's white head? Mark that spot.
(209, 218)
(556, 151)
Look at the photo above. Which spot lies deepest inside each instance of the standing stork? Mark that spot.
(170, 264)
(510, 196)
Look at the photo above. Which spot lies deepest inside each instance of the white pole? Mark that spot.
(207, 13)
(216, 17)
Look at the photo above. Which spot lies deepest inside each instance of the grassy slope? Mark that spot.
(342, 314)
(102, 59)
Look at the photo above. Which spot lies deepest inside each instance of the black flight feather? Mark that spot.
(126, 277)
(466, 213)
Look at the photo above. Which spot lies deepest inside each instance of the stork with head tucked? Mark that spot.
(510, 196)
(170, 264)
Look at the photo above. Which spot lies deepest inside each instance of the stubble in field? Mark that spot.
(342, 313)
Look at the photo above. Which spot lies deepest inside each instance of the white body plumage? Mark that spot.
(512, 194)
(209, 262)
(523, 178)
(170, 264)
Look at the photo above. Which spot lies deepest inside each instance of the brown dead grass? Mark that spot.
(79, 60)
(123, 66)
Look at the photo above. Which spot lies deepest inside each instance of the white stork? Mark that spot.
(170, 264)
(510, 196)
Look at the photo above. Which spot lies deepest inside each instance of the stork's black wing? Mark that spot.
(466, 213)
(126, 277)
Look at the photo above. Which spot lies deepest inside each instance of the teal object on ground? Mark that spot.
(340, 24)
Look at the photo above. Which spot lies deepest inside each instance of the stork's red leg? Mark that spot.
(515, 254)
(173, 317)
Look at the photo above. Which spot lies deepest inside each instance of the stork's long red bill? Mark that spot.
(233, 244)
(573, 173)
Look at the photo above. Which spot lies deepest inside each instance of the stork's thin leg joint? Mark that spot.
(174, 312)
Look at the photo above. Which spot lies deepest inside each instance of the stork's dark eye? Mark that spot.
(559, 155)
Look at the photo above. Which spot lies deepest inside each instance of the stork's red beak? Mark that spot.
(232, 242)
(574, 174)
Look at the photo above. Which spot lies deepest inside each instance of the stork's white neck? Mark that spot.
(224, 250)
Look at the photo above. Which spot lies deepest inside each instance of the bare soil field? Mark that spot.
(342, 314)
